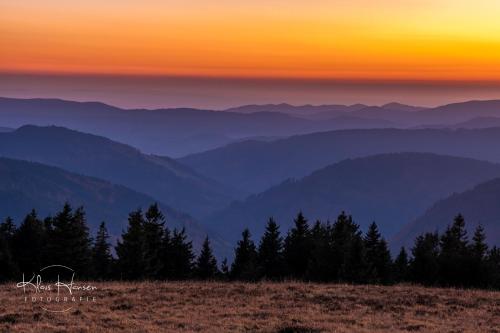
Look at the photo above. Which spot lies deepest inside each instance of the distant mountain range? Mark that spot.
(479, 205)
(27, 185)
(179, 132)
(391, 189)
(254, 166)
(162, 178)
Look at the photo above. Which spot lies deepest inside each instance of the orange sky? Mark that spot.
(354, 39)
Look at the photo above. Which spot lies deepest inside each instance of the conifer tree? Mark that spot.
(69, 240)
(28, 245)
(101, 254)
(319, 267)
(378, 256)
(166, 265)
(454, 259)
(348, 253)
(401, 266)
(424, 266)
(244, 266)
(270, 252)
(297, 249)
(181, 255)
(478, 250)
(206, 264)
(130, 250)
(153, 238)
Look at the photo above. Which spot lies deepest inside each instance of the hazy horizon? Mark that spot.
(221, 93)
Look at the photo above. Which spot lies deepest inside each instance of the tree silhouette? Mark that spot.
(244, 266)
(206, 265)
(28, 244)
(101, 254)
(453, 259)
(130, 250)
(401, 266)
(182, 255)
(270, 252)
(424, 266)
(153, 239)
(297, 249)
(378, 256)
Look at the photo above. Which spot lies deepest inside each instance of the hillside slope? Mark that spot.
(27, 185)
(254, 166)
(161, 178)
(479, 205)
(391, 189)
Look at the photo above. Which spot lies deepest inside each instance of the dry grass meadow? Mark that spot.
(261, 307)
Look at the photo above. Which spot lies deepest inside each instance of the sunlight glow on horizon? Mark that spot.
(357, 39)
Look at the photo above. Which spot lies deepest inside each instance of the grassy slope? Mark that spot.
(262, 307)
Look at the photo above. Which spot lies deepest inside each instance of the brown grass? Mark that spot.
(261, 307)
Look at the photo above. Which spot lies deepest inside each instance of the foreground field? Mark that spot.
(262, 307)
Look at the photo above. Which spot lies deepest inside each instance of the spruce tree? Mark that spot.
(153, 237)
(454, 257)
(401, 266)
(378, 256)
(244, 266)
(28, 245)
(478, 251)
(319, 267)
(297, 249)
(101, 254)
(424, 266)
(181, 256)
(166, 265)
(130, 250)
(270, 252)
(206, 264)
(69, 241)
(348, 253)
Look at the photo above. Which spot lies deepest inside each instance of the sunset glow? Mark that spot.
(360, 39)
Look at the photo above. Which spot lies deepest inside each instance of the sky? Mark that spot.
(220, 53)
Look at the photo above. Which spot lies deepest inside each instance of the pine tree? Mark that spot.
(270, 252)
(153, 238)
(378, 256)
(424, 266)
(478, 251)
(348, 253)
(244, 266)
(401, 266)
(297, 249)
(181, 255)
(319, 267)
(166, 265)
(28, 245)
(130, 250)
(69, 240)
(454, 257)
(206, 265)
(101, 254)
